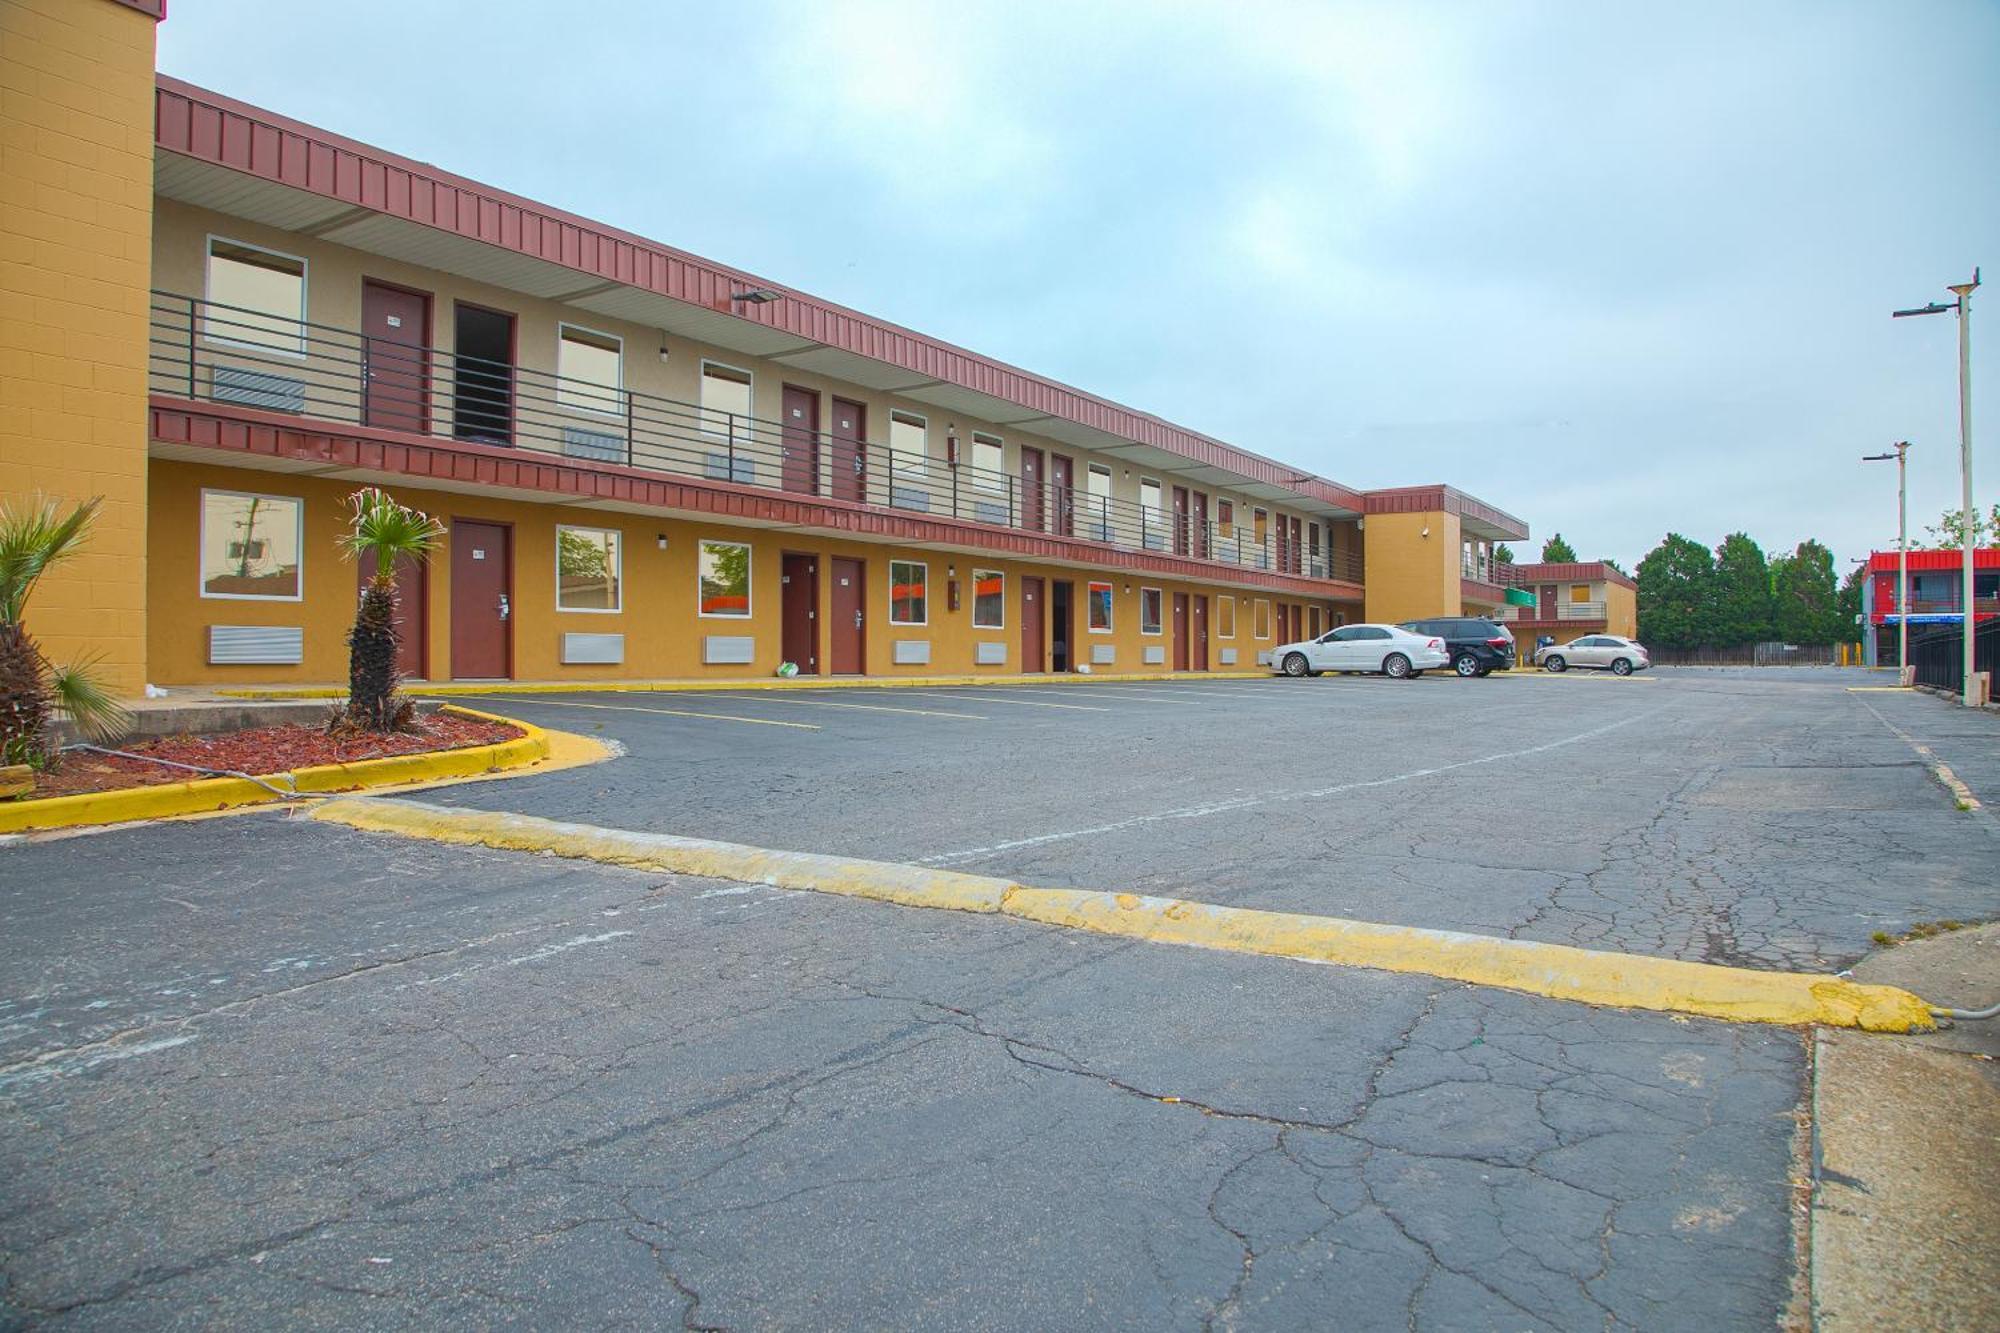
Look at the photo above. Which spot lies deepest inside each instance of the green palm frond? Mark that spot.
(35, 535)
(88, 701)
(388, 530)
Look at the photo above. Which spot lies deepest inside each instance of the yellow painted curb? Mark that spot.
(203, 795)
(1552, 970)
(911, 886)
(457, 688)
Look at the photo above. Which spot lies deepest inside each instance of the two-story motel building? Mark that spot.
(649, 465)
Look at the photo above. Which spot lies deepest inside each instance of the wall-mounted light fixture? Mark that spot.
(660, 540)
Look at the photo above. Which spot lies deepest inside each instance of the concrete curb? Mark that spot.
(1553, 970)
(761, 683)
(204, 795)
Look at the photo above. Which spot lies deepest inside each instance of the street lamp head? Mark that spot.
(1932, 309)
(1878, 458)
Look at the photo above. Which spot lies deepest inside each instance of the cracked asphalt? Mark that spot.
(259, 1071)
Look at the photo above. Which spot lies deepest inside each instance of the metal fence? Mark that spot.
(1749, 654)
(225, 354)
(1939, 654)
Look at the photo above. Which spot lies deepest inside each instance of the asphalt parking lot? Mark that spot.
(264, 1071)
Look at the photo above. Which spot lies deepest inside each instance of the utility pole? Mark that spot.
(1902, 457)
(1963, 308)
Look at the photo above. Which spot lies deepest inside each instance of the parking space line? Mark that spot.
(998, 699)
(773, 698)
(1135, 693)
(672, 712)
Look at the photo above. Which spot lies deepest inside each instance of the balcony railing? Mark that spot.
(203, 350)
(1535, 615)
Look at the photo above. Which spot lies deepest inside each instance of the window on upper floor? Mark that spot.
(909, 460)
(1579, 592)
(590, 369)
(989, 463)
(265, 293)
(725, 401)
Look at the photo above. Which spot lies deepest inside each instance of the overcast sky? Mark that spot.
(1617, 269)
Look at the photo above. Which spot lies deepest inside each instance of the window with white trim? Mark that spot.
(266, 295)
(588, 564)
(909, 458)
(1152, 515)
(1097, 503)
(725, 401)
(1149, 611)
(590, 370)
(989, 599)
(989, 463)
(250, 546)
(1098, 600)
(723, 580)
(909, 587)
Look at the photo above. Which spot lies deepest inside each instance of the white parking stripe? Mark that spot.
(1003, 699)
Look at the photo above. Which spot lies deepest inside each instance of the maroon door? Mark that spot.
(800, 612)
(1031, 489)
(482, 586)
(1180, 520)
(848, 634)
(801, 443)
(1547, 609)
(1200, 636)
(1180, 631)
(1031, 625)
(1062, 476)
(850, 451)
(413, 613)
(1200, 526)
(396, 391)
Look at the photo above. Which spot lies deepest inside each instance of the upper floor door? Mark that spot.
(396, 328)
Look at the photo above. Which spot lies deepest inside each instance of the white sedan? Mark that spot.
(1388, 650)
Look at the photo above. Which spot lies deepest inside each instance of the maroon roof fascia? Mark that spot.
(1562, 571)
(205, 125)
(1442, 499)
(152, 9)
(426, 459)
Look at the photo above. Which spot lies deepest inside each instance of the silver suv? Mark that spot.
(1620, 656)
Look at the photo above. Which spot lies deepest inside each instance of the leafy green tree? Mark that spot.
(1676, 590)
(1808, 596)
(1741, 610)
(1948, 533)
(1557, 551)
(1847, 607)
(1609, 563)
(1503, 554)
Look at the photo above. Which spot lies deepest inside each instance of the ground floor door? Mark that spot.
(1180, 631)
(799, 612)
(1033, 641)
(413, 612)
(801, 444)
(1198, 634)
(847, 635)
(482, 593)
(1061, 623)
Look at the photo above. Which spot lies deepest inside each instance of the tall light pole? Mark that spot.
(1963, 307)
(1901, 456)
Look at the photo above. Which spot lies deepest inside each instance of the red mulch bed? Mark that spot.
(258, 751)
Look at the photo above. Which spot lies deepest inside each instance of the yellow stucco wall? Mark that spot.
(76, 199)
(663, 634)
(1621, 610)
(1410, 575)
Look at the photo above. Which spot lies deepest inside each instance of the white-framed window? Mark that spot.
(588, 568)
(909, 460)
(1097, 502)
(725, 401)
(1260, 619)
(590, 370)
(909, 589)
(1225, 519)
(989, 463)
(1149, 610)
(1098, 599)
(266, 290)
(1152, 515)
(250, 546)
(1225, 617)
(723, 581)
(989, 599)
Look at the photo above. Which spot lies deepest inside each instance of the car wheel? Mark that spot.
(1466, 665)
(1554, 664)
(1622, 667)
(1396, 666)
(1295, 664)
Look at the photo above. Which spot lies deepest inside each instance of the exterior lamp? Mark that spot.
(757, 296)
(1899, 457)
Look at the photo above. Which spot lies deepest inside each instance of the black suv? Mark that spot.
(1477, 645)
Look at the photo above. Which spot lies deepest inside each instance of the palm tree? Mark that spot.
(391, 533)
(35, 536)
